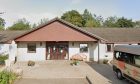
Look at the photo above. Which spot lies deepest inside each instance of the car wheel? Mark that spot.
(119, 74)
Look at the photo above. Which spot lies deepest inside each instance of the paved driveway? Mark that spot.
(53, 81)
(61, 72)
(51, 72)
(50, 69)
(107, 72)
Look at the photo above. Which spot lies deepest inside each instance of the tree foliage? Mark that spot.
(1, 28)
(137, 24)
(118, 22)
(73, 17)
(2, 23)
(82, 20)
(110, 22)
(21, 24)
(124, 22)
(89, 20)
(41, 22)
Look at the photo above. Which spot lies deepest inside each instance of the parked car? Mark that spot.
(126, 62)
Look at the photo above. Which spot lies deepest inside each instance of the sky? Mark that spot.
(35, 10)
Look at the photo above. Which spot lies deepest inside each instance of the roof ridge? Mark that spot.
(64, 22)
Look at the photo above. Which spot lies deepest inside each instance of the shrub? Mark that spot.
(2, 59)
(105, 61)
(31, 63)
(75, 62)
(7, 77)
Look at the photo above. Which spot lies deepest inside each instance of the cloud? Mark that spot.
(35, 18)
(17, 9)
(10, 18)
(76, 1)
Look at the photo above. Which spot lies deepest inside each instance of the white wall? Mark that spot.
(95, 51)
(12, 51)
(9, 49)
(103, 52)
(92, 53)
(107, 55)
(73, 49)
(23, 55)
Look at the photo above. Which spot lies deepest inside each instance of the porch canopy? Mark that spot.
(57, 30)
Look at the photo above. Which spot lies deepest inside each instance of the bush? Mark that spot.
(75, 62)
(2, 59)
(31, 63)
(7, 77)
(105, 61)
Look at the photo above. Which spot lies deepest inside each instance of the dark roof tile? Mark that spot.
(9, 35)
(117, 35)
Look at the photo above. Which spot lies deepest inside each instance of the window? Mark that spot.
(83, 48)
(0, 47)
(119, 56)
(31, 47)
(126, 57)
(72, 43)
(137, 60)
(109, 47)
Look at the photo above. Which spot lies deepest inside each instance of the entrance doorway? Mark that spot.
(56, 50)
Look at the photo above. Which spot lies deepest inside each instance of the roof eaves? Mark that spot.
(132, 42)
(67, 23)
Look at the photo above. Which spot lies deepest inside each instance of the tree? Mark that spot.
(43, 21)
(34, 25)
(137, 24)
(2, 24)
(21, 24)
(124, 22)
(1, 28)
(89, 20)
(99, 21)
(110, 22)
(73, 17)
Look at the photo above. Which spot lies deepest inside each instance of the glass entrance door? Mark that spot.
(57, 50)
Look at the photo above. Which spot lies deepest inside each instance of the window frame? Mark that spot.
(135, 60)
(111, 48)
(29, 45)
(86, 49)
(126, 61)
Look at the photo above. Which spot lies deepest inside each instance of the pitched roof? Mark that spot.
(8, 35)
(66, 23)
(117, 35)
(108, 35)
(133, 49)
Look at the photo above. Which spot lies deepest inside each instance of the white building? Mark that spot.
(60, 40)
